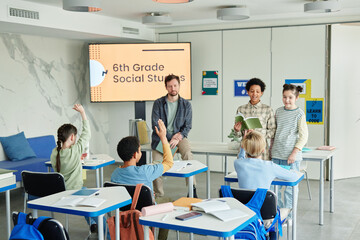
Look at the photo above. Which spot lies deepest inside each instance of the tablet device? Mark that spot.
(85, 192)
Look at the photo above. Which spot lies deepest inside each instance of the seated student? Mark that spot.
(129, 151)
(252, 171)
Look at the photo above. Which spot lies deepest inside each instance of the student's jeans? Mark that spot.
(287, 203)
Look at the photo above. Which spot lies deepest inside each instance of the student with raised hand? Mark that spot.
(290, 137)
(255, 108)
(129, 151)
(66, 157)
(252, 171)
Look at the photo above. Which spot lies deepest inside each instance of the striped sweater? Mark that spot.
(291, 131)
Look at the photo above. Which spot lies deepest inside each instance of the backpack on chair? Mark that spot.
(130, 228)
(43, 228)
(256, 229)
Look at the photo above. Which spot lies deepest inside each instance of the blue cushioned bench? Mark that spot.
(42, 146)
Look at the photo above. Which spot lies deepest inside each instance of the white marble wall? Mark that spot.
(40, 80)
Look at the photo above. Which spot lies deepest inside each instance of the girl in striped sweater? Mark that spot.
(290, 137)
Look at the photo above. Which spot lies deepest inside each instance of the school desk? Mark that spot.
(116, 197)
(232, 177)
(221, 149)
(194, 167)
(95, 162)
(204, 225)
(6, 184)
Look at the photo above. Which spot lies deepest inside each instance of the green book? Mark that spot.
(160, 149)
(248, 123)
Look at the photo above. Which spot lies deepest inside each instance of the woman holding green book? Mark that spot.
(255, 108)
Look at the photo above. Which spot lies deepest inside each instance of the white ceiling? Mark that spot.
(109, 24)
(204, 11)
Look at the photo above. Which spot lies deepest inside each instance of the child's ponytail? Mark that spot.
(63, 134)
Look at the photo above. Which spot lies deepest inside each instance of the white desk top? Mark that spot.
(221, 148)
(190, 170)
(116, 197)
(205, 225)
(95, 161)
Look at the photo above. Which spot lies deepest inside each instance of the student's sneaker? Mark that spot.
(194, 192)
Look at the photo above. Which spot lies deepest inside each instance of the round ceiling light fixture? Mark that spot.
(157, 18)
(233, 13)
(82, 5)
(322, 6)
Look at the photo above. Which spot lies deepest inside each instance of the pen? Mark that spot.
(164, 217)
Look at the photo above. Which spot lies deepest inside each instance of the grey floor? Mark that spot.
(343, 224)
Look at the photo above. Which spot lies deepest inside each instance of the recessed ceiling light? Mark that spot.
(233, 13)
(173, 1)
(322, 6)
(82, 5)
(156, 18)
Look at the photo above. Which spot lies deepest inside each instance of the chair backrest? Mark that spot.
(269, 207)
(40, 184)
(145, 197)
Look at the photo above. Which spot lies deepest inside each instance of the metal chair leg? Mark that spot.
(308, 185)
(25, 201)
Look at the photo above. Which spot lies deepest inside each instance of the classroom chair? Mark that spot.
(145, 197)
(268, 210)
(41, 184)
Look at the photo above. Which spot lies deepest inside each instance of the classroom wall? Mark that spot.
(345, 94)
(272, 54)
(41, 79)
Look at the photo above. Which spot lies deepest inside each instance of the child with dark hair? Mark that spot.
(66, 157)
(290, 137)
(255, 108)
(129, 151)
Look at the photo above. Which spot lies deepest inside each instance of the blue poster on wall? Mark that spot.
(239, 88)
(314, 111)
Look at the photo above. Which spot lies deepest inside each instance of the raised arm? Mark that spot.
(85, 133)
(167, 156)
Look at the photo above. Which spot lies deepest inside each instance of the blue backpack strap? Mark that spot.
(38, 221)
(257, 200)
(226, 191)
(277, 219)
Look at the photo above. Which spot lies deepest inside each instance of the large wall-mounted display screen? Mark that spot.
(136, 72)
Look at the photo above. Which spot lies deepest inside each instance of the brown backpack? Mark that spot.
(130, 228)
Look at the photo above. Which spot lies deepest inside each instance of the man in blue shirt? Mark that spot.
(176, 113)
